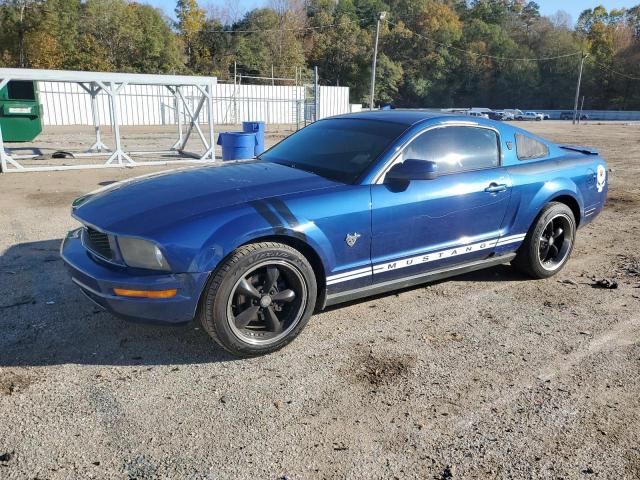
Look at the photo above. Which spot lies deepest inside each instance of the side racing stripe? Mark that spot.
(365, 273)
(424, 258)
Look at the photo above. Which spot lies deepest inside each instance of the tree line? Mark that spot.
(432, 53)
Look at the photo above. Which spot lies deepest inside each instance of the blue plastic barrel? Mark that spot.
(237, 145)
(258, 129)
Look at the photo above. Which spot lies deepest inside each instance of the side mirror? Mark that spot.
(413, 170)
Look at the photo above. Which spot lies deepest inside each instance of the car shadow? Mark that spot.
(46, 320)
(19, 150)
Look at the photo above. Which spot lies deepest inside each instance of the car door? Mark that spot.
(452, 219)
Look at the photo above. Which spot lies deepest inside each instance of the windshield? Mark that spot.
(340, 149)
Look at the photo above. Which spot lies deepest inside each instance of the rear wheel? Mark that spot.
(548, 244)
(259, 299)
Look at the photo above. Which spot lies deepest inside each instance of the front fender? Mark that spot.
(250, 224)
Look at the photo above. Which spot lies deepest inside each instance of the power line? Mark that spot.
(629, 77)
(483, 55)
(435, 42)
(298, 29)
(361, 20)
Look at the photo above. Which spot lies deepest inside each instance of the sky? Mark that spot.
(547, 7)
(575, 7)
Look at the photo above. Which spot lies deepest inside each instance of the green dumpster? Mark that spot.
(20, 112)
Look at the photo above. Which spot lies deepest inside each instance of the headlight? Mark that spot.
(140, 253)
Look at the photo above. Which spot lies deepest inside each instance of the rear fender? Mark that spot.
(528, 211)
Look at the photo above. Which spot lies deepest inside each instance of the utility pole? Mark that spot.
(316, 95)
(375, 60)
(235, 92)
(575, 105)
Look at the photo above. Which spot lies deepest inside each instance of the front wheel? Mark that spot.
(259, 299)
(549, 242)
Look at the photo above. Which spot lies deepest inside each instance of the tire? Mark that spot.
(273, 285)
(549, 242)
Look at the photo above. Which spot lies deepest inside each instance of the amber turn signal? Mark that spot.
(123, 292)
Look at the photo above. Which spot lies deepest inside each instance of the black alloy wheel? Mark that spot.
(555, 242)
(259, 298)
(549, 242)
(267, 302)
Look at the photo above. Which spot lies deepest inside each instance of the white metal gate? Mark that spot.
(112, 87)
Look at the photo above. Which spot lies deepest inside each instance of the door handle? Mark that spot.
(496, 187)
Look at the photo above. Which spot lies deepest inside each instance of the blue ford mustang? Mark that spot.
(347, 207)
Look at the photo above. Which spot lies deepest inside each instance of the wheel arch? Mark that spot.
(562, 190)
(307, 250)
(570, 202)
(529, 262)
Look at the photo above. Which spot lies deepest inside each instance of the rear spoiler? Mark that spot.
(576, 148)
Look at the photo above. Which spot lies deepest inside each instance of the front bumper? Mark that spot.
(97, 282)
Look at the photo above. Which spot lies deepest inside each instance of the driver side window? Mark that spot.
(456, 149)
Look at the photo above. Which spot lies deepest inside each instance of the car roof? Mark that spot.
(404, 117)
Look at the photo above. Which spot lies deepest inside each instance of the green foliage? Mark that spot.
(432, 53)
(273, 42)
(215, 50)
(191, 20)
(107, 35)
(343, 54)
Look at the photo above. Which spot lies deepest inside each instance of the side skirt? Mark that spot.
(432, 276)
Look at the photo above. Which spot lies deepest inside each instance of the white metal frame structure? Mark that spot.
(112, 84)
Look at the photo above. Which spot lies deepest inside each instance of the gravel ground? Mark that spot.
(489, 375)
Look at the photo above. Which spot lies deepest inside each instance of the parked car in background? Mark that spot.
(505, 115)
(488, 113)
(493, 115)
(569, 116)
(533, 116)
(472, 113)
(476, 112)
(517, 114)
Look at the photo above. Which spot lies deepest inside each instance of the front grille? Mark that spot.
(97, 242)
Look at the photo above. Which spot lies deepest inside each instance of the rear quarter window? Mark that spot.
(528, 148)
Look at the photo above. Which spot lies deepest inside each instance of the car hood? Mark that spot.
(150, 203)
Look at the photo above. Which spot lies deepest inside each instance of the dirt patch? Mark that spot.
(385, 370)
(11, 382)
(628, 266)
(632, 465)
(622, 200)
(53, 199)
